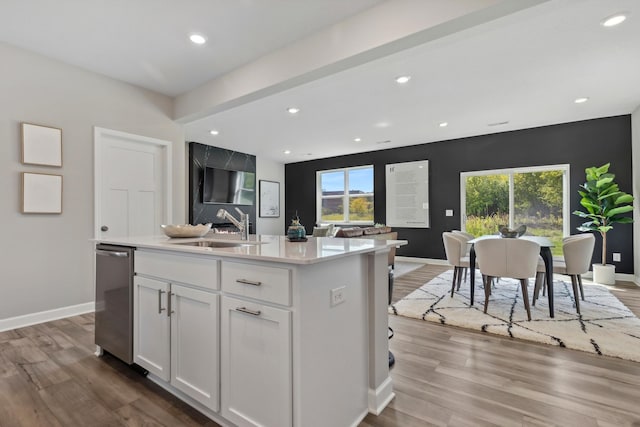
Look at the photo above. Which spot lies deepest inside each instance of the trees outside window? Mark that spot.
(535, 197)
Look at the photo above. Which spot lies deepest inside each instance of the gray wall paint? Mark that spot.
(271, 171)
(47, 260)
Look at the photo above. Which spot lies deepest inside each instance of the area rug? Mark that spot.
(605, 325)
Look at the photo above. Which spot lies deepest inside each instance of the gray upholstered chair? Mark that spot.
(513, 258)
(455, 247)
(578, 251)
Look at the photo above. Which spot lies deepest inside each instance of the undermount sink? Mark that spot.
(214, 244)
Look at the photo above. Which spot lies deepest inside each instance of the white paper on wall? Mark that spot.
(407, 189)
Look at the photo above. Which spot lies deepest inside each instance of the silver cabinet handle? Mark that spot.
(249, 282)
(160, 309)
(169, 310)
(246, 310)
(112, 253)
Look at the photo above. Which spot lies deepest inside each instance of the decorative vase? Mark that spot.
(604, 274)
(296, 231)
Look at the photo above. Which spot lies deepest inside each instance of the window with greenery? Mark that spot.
(536, 197)
(345, 195)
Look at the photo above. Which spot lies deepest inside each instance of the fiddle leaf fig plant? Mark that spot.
(605, 204)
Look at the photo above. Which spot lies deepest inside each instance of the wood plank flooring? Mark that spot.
(443, 376)
(448, 376)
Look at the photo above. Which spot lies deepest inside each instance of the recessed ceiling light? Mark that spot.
(287, 151)
(614, 20)
(214, 132)
(443, 124)
(581, 100)
(383, 124)
(403, 79)
(293, 110)
(197, 39)
(357, 139)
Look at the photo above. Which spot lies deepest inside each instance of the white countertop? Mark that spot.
(262, 247)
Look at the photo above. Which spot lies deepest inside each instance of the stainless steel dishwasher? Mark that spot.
(114, 300)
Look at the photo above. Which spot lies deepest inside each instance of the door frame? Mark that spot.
(99, 135)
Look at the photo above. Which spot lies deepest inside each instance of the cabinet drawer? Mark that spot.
(191, 269)
(271, 284)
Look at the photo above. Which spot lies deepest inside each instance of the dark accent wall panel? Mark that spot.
(579, 144)
(201, 156)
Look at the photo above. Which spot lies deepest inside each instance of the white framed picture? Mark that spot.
(41, 193)
(41, 145)
(269, 199)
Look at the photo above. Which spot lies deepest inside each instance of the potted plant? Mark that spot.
(605, 205)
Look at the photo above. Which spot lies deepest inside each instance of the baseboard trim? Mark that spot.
(45, 316)
(381, 396)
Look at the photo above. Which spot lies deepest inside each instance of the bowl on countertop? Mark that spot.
(186, 230)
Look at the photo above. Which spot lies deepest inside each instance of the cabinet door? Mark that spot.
(194, 344)
(151, 326)
(256, 364)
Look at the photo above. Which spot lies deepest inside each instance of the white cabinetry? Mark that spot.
(257, 385)
(176, 327)
(151, 326)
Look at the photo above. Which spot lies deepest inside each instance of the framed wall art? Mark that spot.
(41, 145)
(269, 199)
(41, 193)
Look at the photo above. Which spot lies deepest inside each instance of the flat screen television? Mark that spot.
(228, 186)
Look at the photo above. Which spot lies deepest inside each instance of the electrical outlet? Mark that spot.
(338, 295)
(616, 257)
(448, 212)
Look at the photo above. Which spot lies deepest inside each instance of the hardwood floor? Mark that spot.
(443, 376)
(449, 376)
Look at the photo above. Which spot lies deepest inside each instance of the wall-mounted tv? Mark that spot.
(228, 186)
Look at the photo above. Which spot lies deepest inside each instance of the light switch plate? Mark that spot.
(448, 212)
(616, 257)
(338, 295)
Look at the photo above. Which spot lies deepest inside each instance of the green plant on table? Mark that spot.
(604, 202)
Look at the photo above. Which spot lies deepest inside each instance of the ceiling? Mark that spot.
(522, 70)
(145, 42)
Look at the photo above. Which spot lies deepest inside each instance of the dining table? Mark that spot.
(545, 252)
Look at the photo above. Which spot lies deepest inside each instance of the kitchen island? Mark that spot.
(265, 331)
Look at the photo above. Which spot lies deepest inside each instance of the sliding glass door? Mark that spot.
(536, 197)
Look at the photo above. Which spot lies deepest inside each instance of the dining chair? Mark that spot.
(578, 251)
(455, 247)
(507, 257)
(467, 236)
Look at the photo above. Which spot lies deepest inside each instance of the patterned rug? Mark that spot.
(605, 327)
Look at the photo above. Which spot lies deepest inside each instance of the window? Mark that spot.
(537, 197)
(349, 187)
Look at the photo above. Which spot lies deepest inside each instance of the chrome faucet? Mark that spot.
(243, 224)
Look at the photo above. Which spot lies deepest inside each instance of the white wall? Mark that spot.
(46, 261)
(635, 150)
(270, 171)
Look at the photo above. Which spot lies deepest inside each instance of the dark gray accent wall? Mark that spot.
(201, 156)
(579, 144)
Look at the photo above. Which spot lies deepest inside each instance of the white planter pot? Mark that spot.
(604, 274)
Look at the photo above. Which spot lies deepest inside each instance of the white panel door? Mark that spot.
(256, 365)
(194, 344)
(151, 326)
(132, 184)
